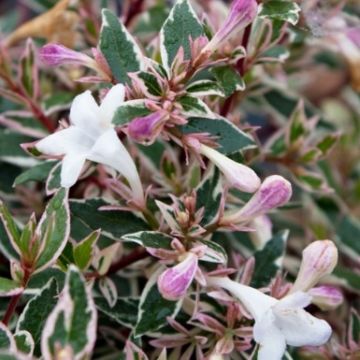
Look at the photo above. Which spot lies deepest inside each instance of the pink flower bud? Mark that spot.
(326, 297)
(275, 191)
(146, 129)
(319, 259)
(238, 175)
(174, 282)
(56, 54)
(242, 13)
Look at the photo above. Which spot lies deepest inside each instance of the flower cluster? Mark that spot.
(166, 173)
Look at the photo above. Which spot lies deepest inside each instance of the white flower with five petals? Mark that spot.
(278, 322)
(91, 136)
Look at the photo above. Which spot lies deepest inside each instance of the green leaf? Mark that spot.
(205, 88)
(6, 339)
(278, 53)
(152, 20)
(37, 173)
(230, 138)
(114, 224)
(130, 110)
(36, 311)
(39, 280)
(348, 236)
(24, 342)
(297, 127)
(153, 309)
(28, 72)
(214, 252)
(72, 323)
(83, 251)
(266, 260)
(228, 79)
(327, 143)
(53, 229)
(11, 235)
(280, 10)
(150, 82)
(119, 48)
(354, 326)
(9, 287)
(53, 182)
(193, 106)
(11, 151)
(312, 181)
(347, 278)
(181, 25)
(150, 239)
(124, 311)
(208, 196)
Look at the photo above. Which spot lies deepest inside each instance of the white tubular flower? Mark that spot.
(238, 175)
(91, 136)
(278, 322)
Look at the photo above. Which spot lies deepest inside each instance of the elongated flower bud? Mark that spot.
(238, 175)
(326, 297)
(275, 191)
(242, 13)
(56, 54)
(319, 259)
(145, 129)
(174, 282)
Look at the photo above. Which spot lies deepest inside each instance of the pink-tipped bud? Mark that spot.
(174, 282)
(242, 13)
(56, 54)
(319, 259)
(326, 297)
(274, 191)
(238, 175)
(145, 129)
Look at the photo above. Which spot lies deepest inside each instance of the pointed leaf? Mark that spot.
(72, 323)
(36, 311)
(153, 308)
(119, 48)
(83, 251)
(228, 79)
(267, 259)
(230, 138)
(181, 25)
(24, 342)
(53, 229)
(9, 287)
(124, 311)
(150, 239)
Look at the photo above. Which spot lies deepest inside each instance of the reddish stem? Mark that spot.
(35, 109)
(134, 256)
(240, 65)
(135, 8)
(11, 308)
(15, 300)
(241, 68)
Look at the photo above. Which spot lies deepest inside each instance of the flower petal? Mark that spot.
(113, 99)
(72, 140)
(174, 282)
(300, 328)
(272, 346)
(298, 299)
(72, 165)
(85, 114)
(110, 151)
(256, 302)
